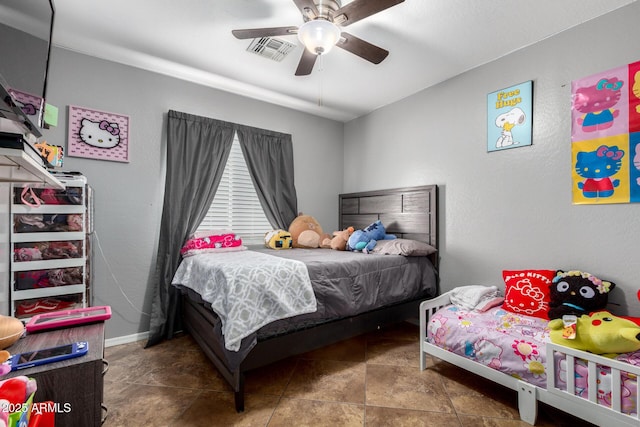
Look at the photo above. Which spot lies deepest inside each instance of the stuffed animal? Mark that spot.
(365, 240)
(278, 239)
(599, 333)
(306, 232)
(15, 393)
(577, 292)
(339, 240)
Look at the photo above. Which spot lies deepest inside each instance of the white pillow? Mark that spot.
(405, 247)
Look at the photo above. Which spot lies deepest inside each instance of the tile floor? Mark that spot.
(371, 380)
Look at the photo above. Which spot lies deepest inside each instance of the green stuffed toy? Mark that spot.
(598, 333)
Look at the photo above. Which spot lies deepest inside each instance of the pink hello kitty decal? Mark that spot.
(100, 134)
(596, 103)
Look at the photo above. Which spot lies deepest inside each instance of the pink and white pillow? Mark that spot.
(227, 242)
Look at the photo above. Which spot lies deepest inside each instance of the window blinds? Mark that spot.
(236, 206)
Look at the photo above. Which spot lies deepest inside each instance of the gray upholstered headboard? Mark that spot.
(409, 213)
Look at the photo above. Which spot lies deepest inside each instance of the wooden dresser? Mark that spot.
(75, 385)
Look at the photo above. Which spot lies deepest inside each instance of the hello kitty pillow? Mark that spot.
(527, 292)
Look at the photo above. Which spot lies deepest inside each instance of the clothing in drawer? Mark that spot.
(43, 223)
(36, 279)
(47, 196)
(36, 251)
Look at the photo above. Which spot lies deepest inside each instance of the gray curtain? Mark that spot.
(269, 157)
(197, 152)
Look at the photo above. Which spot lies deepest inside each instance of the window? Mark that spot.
(236, 206)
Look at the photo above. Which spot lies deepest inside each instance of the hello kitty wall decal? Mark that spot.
(98, 134)
(605, 136)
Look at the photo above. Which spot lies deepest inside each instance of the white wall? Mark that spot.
(129, 196)
(509, 209)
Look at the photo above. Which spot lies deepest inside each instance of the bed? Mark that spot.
(601, 390)
(390, 291)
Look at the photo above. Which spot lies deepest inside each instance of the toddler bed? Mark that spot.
(514, 350)
(354, 292)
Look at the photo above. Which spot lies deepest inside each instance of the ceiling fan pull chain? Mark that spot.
(320, 70)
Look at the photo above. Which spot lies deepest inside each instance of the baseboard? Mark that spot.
(110, 342)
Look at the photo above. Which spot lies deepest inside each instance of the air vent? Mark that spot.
(268, 47)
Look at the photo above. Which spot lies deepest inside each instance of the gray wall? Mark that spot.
(503, 210)
(128, 196)
(509, 209)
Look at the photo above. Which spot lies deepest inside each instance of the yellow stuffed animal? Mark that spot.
(600, 333)
(278, 239)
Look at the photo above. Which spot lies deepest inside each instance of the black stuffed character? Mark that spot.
(577, 293)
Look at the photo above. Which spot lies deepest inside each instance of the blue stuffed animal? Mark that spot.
(365, 240)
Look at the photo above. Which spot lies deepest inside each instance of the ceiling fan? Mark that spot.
(322, 29)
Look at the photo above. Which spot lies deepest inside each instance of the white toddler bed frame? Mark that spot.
(528, 394)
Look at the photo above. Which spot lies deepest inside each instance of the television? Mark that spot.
(26, 28)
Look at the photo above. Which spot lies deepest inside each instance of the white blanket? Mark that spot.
(248, 289)
(476, 297)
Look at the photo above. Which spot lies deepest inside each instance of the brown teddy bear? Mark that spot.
(306, 232)
(339, 240)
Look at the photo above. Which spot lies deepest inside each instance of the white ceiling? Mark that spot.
(429, 41)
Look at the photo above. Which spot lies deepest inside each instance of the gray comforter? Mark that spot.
(345, 284)
(350, 283)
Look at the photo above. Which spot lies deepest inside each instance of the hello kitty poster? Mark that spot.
(605, 136)
(98, 134)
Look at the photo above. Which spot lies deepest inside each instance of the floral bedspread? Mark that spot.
(515, 345)
(504, 341)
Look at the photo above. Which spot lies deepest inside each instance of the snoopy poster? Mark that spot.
(509, 117)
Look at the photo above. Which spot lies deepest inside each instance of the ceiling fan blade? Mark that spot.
(307, 61)
(307, 8)
(363, 49)
(360, 9)
(255, 33)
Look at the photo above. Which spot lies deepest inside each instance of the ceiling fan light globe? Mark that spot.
(319, 36)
